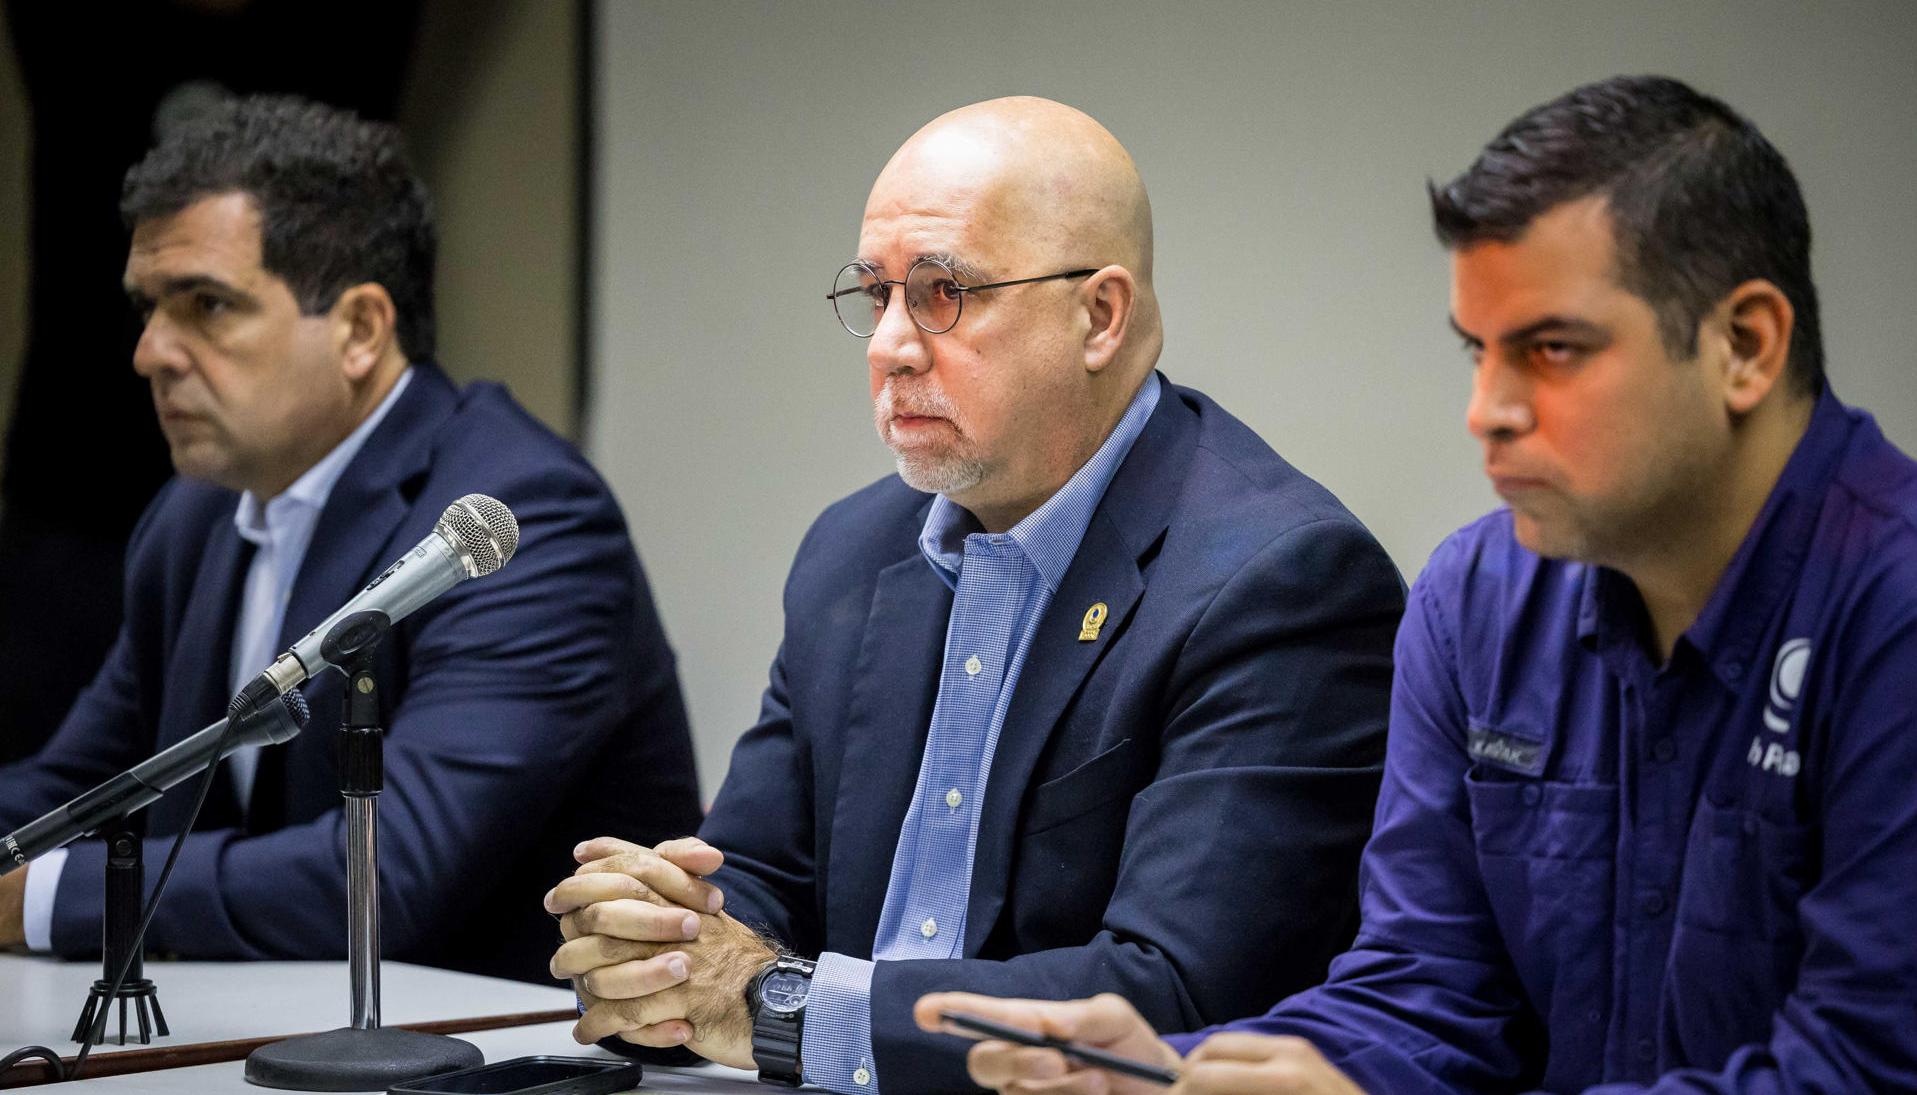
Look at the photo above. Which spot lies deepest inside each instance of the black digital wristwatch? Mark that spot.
(775, 997)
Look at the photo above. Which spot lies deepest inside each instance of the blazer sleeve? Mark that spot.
(769, 875)
(105, 732)
(1237, 881)
(513, 682)
(1426, 999)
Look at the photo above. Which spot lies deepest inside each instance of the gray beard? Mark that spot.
(945, 477)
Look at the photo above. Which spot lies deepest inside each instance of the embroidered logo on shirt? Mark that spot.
(1787, 684)
(1787, 681)
(1493, 746)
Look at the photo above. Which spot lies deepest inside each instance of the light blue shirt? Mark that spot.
(1002, 584)
(280, 529)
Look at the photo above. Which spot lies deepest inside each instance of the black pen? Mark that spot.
(1098, 1058)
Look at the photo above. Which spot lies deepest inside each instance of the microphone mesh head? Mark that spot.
(296, 706)
(486, 530)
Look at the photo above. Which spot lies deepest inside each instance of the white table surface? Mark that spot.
(41, 998)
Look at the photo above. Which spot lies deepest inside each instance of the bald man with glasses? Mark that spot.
(1089, 697)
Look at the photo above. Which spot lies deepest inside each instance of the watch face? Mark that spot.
(784, 992)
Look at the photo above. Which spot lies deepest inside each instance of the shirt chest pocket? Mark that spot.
(1744, 873)
(1547, 852)
(1738, 940)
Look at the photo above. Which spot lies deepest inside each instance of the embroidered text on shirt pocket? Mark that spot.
(1514, 750)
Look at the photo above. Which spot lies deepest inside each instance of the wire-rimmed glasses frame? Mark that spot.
(931, 288)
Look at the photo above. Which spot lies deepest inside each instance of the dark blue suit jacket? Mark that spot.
(1175, 810)
(526, 711)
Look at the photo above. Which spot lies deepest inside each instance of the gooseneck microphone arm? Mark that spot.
(146, 781)
(475, 536)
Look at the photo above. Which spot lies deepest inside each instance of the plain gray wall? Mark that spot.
(1285, 147)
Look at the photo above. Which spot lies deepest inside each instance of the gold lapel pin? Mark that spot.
(1094, 619)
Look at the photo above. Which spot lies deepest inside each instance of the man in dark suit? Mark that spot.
(282, 261)
(1058, 707)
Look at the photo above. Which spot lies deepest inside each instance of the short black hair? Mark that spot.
(339, 203)
(1699, 201)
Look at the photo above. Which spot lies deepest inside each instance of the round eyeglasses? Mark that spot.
(934, 296)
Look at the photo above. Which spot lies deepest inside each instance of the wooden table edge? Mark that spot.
(155, 1058)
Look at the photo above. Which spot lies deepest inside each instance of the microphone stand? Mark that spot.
(362, 1056)
(125, 881)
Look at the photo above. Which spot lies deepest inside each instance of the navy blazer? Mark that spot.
(1175, 810)
(525, 711)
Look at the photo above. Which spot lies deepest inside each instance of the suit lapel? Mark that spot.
(1055, 666)
(352, 540)
(888, 717)
(353, 537)
(199, 668)
(1126, 526)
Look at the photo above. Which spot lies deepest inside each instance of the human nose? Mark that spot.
(897, 344)
(1500, 407)
(159, 349)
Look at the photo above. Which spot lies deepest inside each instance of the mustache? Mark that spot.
(927, 403)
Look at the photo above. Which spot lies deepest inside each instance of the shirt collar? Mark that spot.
(1049, 535)
(254, 518)
(1761, 571)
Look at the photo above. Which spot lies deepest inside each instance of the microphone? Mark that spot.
(280, 720)
(474, 537)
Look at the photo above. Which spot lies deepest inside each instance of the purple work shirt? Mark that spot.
(1592, 869)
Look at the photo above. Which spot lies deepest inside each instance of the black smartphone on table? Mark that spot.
(540, 1075)
(1097, 1058)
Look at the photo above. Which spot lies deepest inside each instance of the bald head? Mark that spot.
(999, 407)
(1044, 178)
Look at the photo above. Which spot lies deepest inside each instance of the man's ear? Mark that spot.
(1755, 320)
(365, 326)
(1110, 296)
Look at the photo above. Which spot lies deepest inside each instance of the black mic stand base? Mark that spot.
(125, 881)
(144, 999)
(352, 1059)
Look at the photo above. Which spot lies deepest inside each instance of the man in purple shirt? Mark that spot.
(1648, 817)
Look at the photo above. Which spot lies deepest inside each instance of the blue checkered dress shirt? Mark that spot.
(1002, 583)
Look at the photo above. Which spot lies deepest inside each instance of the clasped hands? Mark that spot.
(657, 962)
(650, 952)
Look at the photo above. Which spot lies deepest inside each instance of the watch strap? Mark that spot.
(778, 1036)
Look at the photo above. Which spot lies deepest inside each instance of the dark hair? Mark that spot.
(1699, 201)
(339, 204)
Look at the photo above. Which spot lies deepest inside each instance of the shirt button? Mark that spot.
(1644, 1049)
(1734, 670)
(1664, 749)
(1531, 794)
(1653, 903)
(930, 928)
(861, 1076)
(953, 798)
(973, 665)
